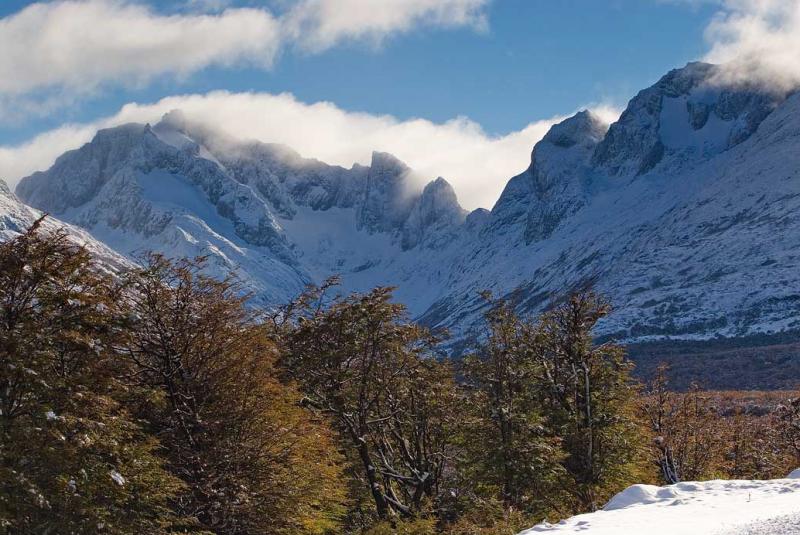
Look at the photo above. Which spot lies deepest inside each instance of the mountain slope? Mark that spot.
(279, 220)
(682, 212)
(16, 217)
(690, 240)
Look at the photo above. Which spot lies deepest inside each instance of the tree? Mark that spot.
(751, 447)
(508, 449)
(360, 362)
(589, 400)
(72, 459)
(787, 422)
(658, 410)
(687, 430)
(254, 461)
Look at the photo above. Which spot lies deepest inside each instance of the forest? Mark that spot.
(160, 400)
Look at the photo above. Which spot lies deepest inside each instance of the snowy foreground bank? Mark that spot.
(718, 507)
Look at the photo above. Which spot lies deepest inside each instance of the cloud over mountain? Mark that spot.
(758, 41)
(476, 163)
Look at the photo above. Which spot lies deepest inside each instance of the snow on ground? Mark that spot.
(719, 507)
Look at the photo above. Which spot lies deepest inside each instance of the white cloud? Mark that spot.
(758, 41)
(78, 45)
(478, 165)
(40, 152)
(72, 47)
(320, 24)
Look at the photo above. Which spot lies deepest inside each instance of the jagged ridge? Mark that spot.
(683, 212)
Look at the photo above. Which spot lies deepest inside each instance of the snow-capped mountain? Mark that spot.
(16, 217)
(683, 212)
(279, 220)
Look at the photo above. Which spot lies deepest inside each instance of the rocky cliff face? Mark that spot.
(684, 118)
(435, 217)
(683, 212)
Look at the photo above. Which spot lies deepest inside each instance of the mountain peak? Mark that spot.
(386, 164)
(175, 119)
(682, 80)
(684, 118)
(434, 212)
(123, 131)
(438, 197)
(176, 125)
(551, 188)
(582, 127)
(439, 184)
(77, 175)
(282, 220)
(386, 202)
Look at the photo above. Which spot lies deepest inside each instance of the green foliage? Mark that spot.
(156, 402)
(152, 406)
(254, 461)
(490, 518)
(590, 402)
(545, 424)
(360, 361)
(553, 427)
(508, 451)
(72, 459)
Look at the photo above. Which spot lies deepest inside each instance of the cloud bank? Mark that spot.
(75, 46)
(758, 41)
(79, 45)
(320, 24)
(477, 164)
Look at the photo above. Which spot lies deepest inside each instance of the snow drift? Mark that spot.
(720, 507)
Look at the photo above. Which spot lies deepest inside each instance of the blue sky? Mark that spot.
(537, 59)
(456, 88)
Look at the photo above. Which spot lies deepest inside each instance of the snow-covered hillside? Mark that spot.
(694, 508)
(689, 240)
(280, 220)
(684, 212)
(16, 217)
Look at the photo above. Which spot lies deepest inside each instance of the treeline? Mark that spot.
(700, 435)
(155, 401)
